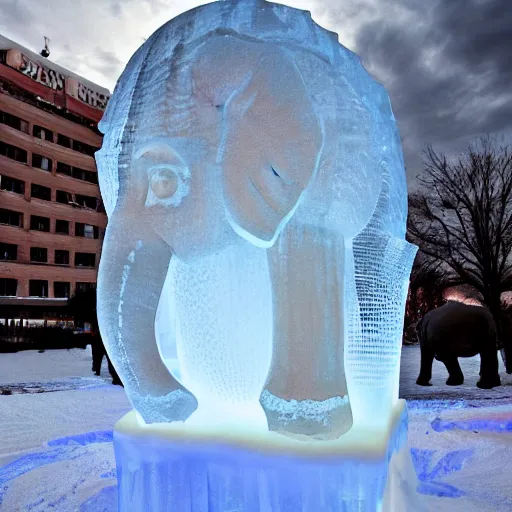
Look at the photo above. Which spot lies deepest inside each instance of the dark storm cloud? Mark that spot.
(447, 66)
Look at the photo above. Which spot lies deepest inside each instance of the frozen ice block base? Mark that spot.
(179, 468)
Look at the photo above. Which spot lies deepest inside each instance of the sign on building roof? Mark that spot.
(56, 80)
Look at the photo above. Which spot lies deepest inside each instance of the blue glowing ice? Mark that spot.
(254, 181)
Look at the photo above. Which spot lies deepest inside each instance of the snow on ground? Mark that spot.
(56, 447)
(462, 454)
(50, 365)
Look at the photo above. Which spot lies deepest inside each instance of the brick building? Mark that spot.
(51, 215)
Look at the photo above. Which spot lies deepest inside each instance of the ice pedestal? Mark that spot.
(181, 468)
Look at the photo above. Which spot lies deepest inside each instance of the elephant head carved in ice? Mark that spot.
(241, 155)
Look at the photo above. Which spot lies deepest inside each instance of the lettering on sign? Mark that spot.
(87, 95)
(55, 80)
(48, 77)
(93, 98)
(37, 72)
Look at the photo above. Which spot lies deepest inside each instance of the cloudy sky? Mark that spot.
(447, 64)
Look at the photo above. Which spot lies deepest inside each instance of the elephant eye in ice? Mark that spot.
(167, 185)
(164, 183)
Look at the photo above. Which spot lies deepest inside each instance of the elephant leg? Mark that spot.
(456, 377)
(427, 359)
(98, 351)
(489, 375)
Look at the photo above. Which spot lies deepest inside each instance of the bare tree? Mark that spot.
(461, 217)
(427, 284)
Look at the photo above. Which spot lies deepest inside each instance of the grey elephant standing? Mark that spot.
(458, 330)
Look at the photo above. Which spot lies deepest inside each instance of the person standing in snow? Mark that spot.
(98, 351)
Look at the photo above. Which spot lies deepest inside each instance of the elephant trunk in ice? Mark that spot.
(130, 280)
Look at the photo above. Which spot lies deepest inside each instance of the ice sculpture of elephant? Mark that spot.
(221, 138)
(253, 177)
(209, 165)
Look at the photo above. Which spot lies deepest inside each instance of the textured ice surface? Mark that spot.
(225, 358)
(320, 420)
(248, 155)
(220, 475)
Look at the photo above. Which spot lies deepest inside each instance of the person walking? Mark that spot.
(82, 307)
(98, 352)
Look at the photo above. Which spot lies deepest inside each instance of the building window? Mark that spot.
(13, 152)
(61, 257)
(82, 174)
(64, 169)
(39, 254)
(84, 148)
(39, 223)
(83, 287)
(101, 207)
(34, 100)
(77, 173)
(41, 162)
(85, 259)
(76, 145)
(87, 201)
(8, 287)
(40, 192)
(8, 252)
(62, 197)
(78, 200)
(86, 230)
(12, 185)
(62, 227)
(72, 201)
(42, 133)
(64, 141)
(90, 231)
(91, 177)
(38, 288)
(10, 217)
(13, 121)
(61, 289)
